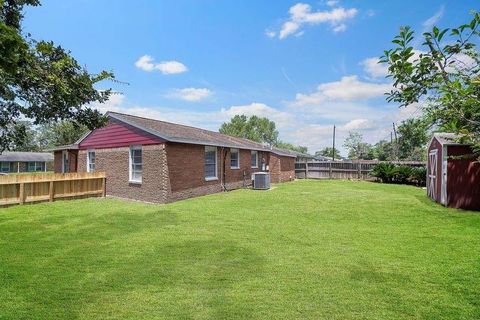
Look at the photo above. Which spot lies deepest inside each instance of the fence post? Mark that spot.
(22, 193)
(330, 170)
(104, 187)
(51, 194)
(306, 169)
(359, 170)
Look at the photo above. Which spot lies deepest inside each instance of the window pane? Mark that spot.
(234, 161)
(210, 162)
(136, 166)
(254, 158)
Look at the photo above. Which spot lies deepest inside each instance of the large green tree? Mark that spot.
(443, 75)
(413, 138)
(290, 146)
(357, 148)
(329, 152)
(40, 81)
(253, 128)
(59, 133)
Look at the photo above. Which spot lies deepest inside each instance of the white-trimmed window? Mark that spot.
(254, 159)
(210, 163)
(234, 159)
(5, 166)
(136, 166)
(90, 161)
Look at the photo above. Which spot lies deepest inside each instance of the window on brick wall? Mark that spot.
(136, 165)
(210, 163)
(234, 159)
(254, 159)
(91, 161)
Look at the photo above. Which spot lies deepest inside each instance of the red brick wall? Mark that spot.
(115, 161)
(175, 171)
(72, 156)
(282, 169)
(187, 174)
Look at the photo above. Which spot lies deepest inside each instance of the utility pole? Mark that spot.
(333, 151)
(391, 144)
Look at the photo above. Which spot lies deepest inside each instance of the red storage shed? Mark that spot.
(453, 178)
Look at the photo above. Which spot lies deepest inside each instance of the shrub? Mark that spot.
(419, 176)
(384, 171)
(402, 174)
(390, 173)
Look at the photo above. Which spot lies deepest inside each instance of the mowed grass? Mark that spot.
(304, 250)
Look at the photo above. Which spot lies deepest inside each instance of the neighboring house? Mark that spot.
(453, 178)
(157, 161)
(14, 162)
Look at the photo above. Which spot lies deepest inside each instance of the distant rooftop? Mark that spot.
(14, 156)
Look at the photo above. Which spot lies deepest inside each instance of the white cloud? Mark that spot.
(430, 22)
(373, 68)
(146, 63)
(340, 28)
(171, 67)
(359, 124)
(332, 3)
(347, 89)
(301, 14)
(191, 94)
(270, 33)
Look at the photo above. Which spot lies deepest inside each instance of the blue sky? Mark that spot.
(306, 65)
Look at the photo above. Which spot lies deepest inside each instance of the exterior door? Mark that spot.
(443, 196)
(432, 174)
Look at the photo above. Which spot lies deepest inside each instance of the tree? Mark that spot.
(357, 149)
(413, 138)
(289, 146)
(444, 76)
(328, 152)
(40, 81)
(25, 139)
(383, 150)
(59, 133)
(253, 128)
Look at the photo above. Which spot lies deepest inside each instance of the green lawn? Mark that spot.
(304, 250)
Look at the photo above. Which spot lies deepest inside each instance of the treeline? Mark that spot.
(41, 137)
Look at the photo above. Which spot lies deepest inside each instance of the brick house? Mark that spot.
(160, 162)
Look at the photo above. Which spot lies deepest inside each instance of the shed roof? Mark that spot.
(9, 156)
(448, 139)
(185, 134)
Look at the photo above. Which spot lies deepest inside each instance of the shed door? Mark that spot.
(432, 174)
(443, 195)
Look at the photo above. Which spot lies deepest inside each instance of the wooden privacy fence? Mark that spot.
(21, 189)
(343, 169)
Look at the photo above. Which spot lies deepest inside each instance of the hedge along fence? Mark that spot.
(21, 189)
(359, 169)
